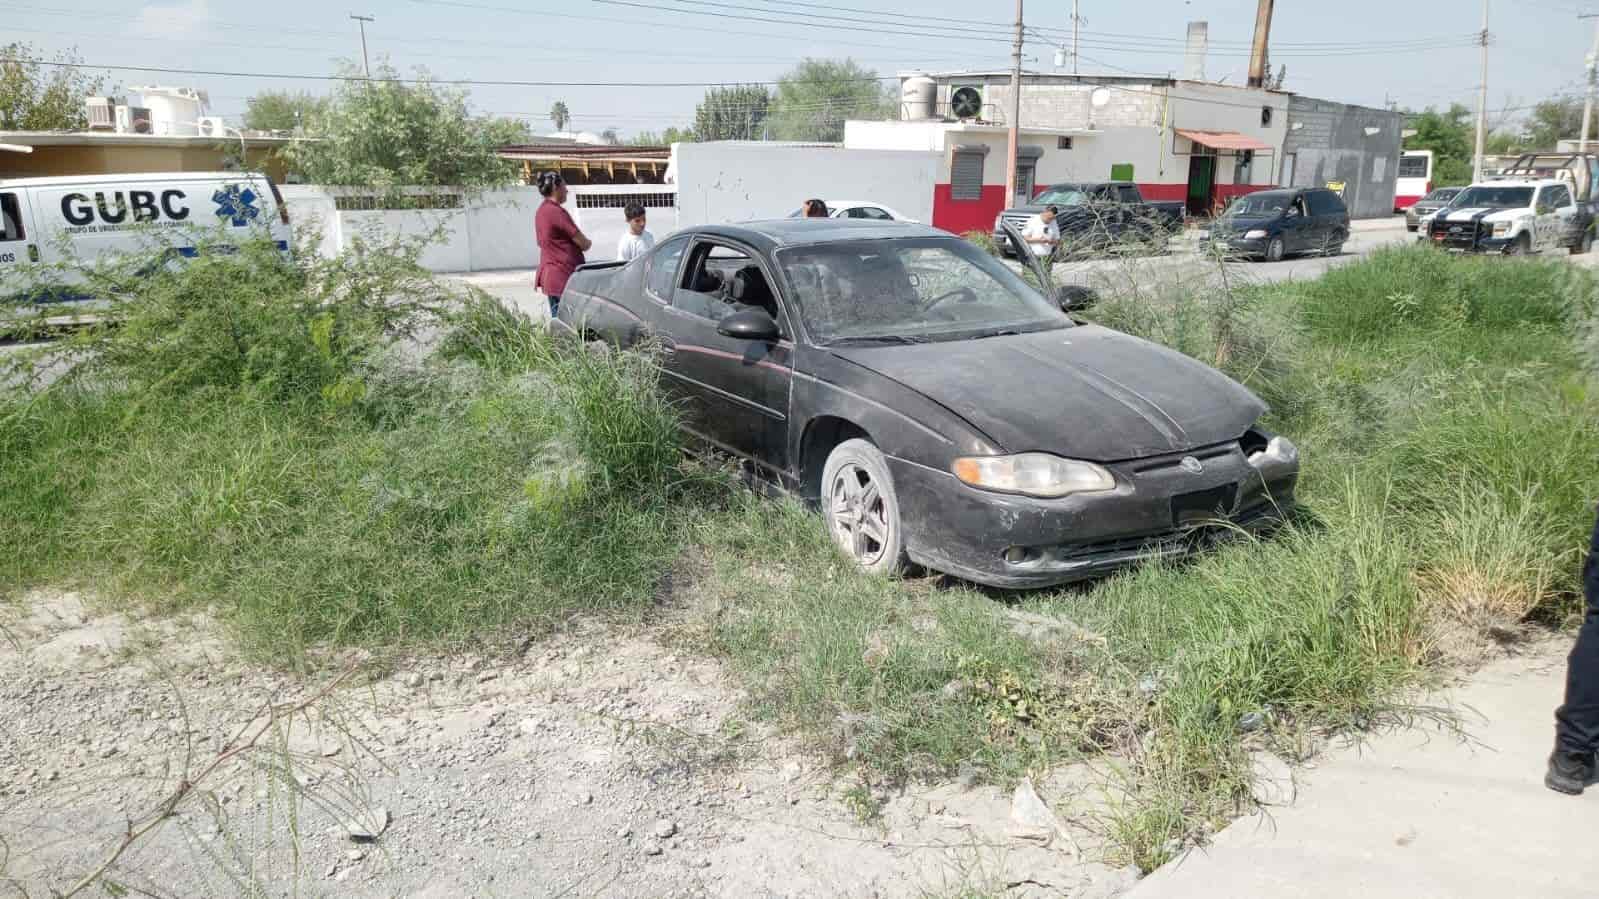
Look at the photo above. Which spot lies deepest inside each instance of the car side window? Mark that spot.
(870, 212)
(662, 275)
(722, 280)
(11, 227)
(1559, 197)
(1130, 194)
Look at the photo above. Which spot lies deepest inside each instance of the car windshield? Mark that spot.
(1494, 198)
(1258, 204)
(1062, 196)
(910, 290)
(1442, 195)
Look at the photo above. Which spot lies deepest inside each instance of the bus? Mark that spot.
(1414, 178)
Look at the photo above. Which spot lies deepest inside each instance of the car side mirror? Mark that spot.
(749, 324)
(1071, 297)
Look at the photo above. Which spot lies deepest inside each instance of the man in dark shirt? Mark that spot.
(561, 243)
(1571, 767)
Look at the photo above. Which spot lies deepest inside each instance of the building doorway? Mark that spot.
(1201, 183)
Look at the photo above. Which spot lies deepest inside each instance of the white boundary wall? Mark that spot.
(740, 181)
(492, 231)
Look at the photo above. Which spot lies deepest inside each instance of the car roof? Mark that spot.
(773, 234)
(1519, 182)
(139, 177)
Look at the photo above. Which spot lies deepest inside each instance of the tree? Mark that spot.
(1554, 120)
(733, 113)
(818, 95)
(1451, 138)
(37, 97)
(282, 110)
(673, 135)
(560, 115)
(387, 133)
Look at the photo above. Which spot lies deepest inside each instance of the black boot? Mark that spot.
(1570, 773)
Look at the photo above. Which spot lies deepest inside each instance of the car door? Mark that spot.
(1562, 218)
(1299, 227)
(735, 393)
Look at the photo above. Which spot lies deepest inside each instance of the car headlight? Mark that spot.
(1256, 234)
(1033, 474)
(1501, 229)
(1279, 451)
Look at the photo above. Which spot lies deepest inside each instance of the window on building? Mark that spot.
(1063, 143)
(1412, 166)
(1026, 174)
(1265, 116)
(663, 268)
(1242, 166)
(966, 175)
(1121, 171)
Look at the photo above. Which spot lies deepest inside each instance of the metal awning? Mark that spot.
(1223, 140)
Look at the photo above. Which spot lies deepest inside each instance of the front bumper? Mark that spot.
(1157, 509)
(1468, 243)
(1235, 246)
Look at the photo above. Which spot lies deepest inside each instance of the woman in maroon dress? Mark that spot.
(561, 244)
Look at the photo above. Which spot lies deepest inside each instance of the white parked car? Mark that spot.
(1514, 216)
(859, 209)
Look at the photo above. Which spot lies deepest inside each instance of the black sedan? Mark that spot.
(940, 409)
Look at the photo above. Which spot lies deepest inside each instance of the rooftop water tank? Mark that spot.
(918, 98)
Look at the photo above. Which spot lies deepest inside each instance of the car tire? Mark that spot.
(861, 508)
(1584, 244)
(1412, 228)
(1522, 246)
(1275, 250)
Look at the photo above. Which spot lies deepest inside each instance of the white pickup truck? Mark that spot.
(1514, 216)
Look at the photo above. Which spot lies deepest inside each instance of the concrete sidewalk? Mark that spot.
(1419, 813)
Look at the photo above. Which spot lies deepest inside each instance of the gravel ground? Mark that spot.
(597, 764)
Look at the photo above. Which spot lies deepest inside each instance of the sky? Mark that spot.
(1414, 52)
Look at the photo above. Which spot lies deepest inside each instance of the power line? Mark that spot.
(653, 23)
(892, 20)
(804, 24)
(216, 73)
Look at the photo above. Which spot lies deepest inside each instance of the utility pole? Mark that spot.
(1482, 100)
(1077, 21)
(1257, 53)
(1015, 110)
(362, 20)
(1593, 82)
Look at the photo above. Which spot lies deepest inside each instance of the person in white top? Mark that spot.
(1041, 233)
(635, 240)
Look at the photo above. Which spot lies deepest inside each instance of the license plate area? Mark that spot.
(1202, 507)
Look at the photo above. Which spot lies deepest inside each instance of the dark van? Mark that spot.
(1271, 224)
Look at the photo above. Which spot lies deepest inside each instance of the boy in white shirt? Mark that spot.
(635, 241)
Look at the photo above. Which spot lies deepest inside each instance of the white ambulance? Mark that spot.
(83, 218)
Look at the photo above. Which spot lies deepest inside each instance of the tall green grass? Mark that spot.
(344, 492)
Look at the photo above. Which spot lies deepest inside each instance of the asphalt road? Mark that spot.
(1184, 262)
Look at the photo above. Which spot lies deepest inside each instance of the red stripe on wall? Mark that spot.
(1163, 193)
(961, 216)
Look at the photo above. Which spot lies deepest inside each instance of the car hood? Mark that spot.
(1086, 392)
(1482, 214)
(1243, 223)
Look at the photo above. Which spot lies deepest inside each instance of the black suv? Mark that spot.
(1271, 224)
